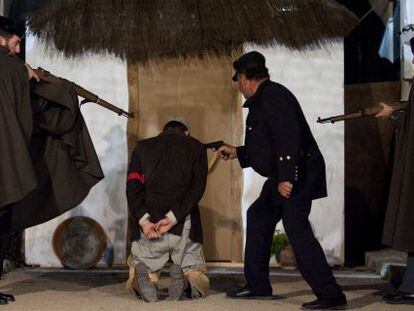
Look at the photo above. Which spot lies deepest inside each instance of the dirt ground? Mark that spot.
(100, 290)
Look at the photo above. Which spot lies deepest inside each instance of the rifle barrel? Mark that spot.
(365, 112)
(89, 96)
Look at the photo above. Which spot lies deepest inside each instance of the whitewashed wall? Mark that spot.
(105, 76)
(316, 78)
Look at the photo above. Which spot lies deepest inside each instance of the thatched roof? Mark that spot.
(151, 29)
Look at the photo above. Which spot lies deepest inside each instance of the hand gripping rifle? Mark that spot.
(88, 96)
(362, 113)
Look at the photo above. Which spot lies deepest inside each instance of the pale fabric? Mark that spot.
(155, 253)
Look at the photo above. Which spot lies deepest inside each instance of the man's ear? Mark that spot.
(187, 133)
(2, 41)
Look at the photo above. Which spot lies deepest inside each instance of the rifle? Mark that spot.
(362, 113)
(88, 96)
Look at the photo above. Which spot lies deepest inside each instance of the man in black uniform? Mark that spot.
(399, 218)
(280, 146)
(37, 180)
(14, 107)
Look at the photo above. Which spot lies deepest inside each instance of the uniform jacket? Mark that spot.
(168, 173)
(279, 144)
(399, 217)
(17, 177)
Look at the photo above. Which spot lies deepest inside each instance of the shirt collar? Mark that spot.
(249, 102)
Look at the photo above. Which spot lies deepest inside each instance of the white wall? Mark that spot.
(316, 78)
(105, 76)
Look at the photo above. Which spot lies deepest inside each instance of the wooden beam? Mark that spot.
(237, 180)
(132, 129)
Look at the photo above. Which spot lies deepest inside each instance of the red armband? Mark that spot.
(136, 176)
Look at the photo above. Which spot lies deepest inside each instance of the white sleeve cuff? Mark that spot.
(170, 215)
(144, 219)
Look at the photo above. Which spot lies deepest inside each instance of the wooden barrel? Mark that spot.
(79, 242)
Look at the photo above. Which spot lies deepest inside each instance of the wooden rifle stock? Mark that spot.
(362, 113)
(88, 96)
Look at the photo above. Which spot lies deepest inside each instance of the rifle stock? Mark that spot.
(362, 113)
(88, 96)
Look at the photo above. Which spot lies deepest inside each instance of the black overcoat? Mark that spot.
(399, 218)
(279, 143)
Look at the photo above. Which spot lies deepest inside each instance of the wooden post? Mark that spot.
(132, 129)
(237, 184)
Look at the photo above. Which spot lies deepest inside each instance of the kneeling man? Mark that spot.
(166, 180)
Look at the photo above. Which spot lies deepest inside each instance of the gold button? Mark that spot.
(288, 157)
(281, 158)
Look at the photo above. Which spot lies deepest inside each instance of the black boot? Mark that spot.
(339, 303)
(4, 299)
(7, 297)
(399, 298)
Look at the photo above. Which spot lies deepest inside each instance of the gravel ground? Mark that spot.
(100, 290)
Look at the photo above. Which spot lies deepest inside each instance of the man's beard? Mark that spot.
(11, 49)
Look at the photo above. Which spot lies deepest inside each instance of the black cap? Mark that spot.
(10, 27)
(248, 62)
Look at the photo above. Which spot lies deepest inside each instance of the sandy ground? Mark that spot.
(45, 290)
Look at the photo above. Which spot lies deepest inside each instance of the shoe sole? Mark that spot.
(344, 307)
(146, 289)
(176, 288)
(401, 302)
(273, 297)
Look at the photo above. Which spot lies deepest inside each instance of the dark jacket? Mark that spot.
(279, 144)
(17, 177)
(168, 173)
(399, 218)
(63, 156)
(47, 160)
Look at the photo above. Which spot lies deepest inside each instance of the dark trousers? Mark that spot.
(407, 285)
(262, 218)
(5, 234)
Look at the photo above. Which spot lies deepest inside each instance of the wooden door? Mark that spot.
(202, 92)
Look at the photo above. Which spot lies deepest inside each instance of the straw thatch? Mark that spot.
(151, 29)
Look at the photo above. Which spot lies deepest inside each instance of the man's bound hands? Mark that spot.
(164, 225)
(154, 231)
(148, 229)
